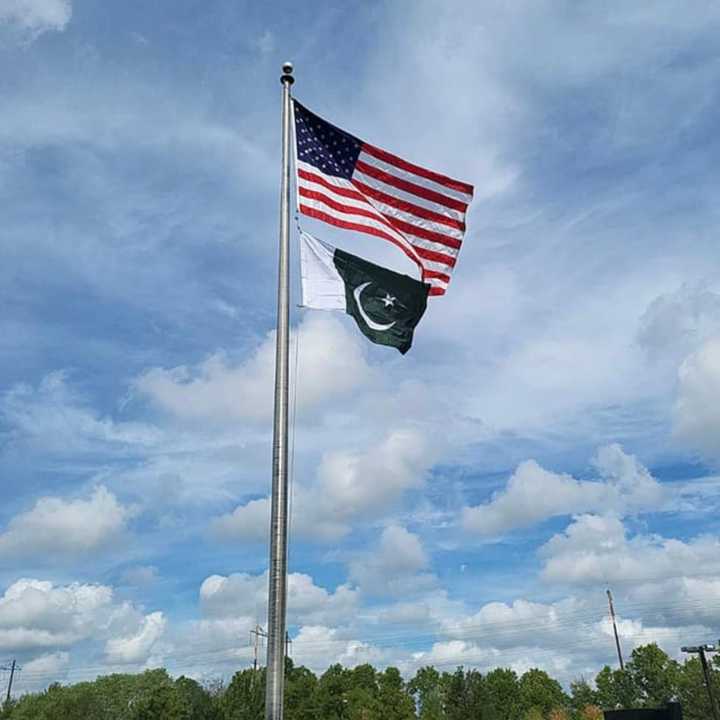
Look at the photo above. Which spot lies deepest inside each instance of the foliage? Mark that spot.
(651, 678)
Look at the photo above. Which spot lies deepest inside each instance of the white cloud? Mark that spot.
(395, 566)
(136, 647)
(35, 17)
(596, 549)
(38, 614)
(48, 664)
(533, 494)
(56, 527)
(243, 595)
(697, 411)
(318, 646)
(349, 485)
(54, 418)
(331, 364)
(676, 323)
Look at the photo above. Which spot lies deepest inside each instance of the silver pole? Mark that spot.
(277, 590)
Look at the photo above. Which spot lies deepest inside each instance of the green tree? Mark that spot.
(581, 695)
(426, 688)
(654, 676)
(393, 696)
(538, 690)
(362, 694)
(502, 692)
(332, 689)
(454, 694)
(692, 691)
(244, 698)
(615, 689)
(475, 696)
(300, 694)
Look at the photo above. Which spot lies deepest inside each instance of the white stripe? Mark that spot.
(368, 205)
(352, 202)
(376, 184)
(413, 178)
(415, 220)
(369, 222)
(337, 181)
(322, 286)
(407, 242)
(435, 247)
(438, 267)
(359, 220)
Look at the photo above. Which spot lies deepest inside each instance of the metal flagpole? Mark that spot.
(277, 590)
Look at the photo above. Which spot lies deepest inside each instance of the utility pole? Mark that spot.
(288, 643)
(614, 624)
(12, 675)
(258, 632)
(701, 650)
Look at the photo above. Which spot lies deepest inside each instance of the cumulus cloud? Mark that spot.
(331, 364)
(317, 646)
(54, 418)
(349, 485)
(36, 614)
(395, 566)
(35, 17)
(56, 527)
(697, 411)
(243, 595)
(596, 549)
(676, 323)
(533, 494)
(136, 647)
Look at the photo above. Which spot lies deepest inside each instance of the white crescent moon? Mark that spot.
(370, 323)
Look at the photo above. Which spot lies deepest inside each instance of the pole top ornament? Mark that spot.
(287, 76)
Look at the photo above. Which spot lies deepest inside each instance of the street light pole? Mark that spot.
(701, 650)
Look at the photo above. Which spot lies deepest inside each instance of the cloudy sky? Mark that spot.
(554, 431)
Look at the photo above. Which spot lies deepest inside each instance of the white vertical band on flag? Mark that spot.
(322, 286)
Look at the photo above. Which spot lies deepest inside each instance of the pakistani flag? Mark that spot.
(386, 305)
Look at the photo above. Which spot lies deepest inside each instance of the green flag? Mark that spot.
(386, 305)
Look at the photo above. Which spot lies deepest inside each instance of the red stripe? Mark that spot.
(325, 217)
(434, 274)
(320, 180)
(418, 190)
(435, 290)
(407, 207)
(406, 227)
(417, 170)
(435, 256)
(361, 212)
(341, 207)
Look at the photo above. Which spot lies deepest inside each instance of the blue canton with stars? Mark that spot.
(331, 150)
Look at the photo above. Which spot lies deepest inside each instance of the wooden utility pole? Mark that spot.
(12, 675)
(614, 624)
(258, 632)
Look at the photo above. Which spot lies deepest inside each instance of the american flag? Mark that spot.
(351, 184)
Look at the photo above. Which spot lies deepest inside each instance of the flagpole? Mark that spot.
(277, 586)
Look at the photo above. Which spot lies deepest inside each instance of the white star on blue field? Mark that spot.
(554, 431)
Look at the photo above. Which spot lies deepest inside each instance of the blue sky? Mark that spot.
(554, 430)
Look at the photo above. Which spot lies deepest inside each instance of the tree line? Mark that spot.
(650, 679)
